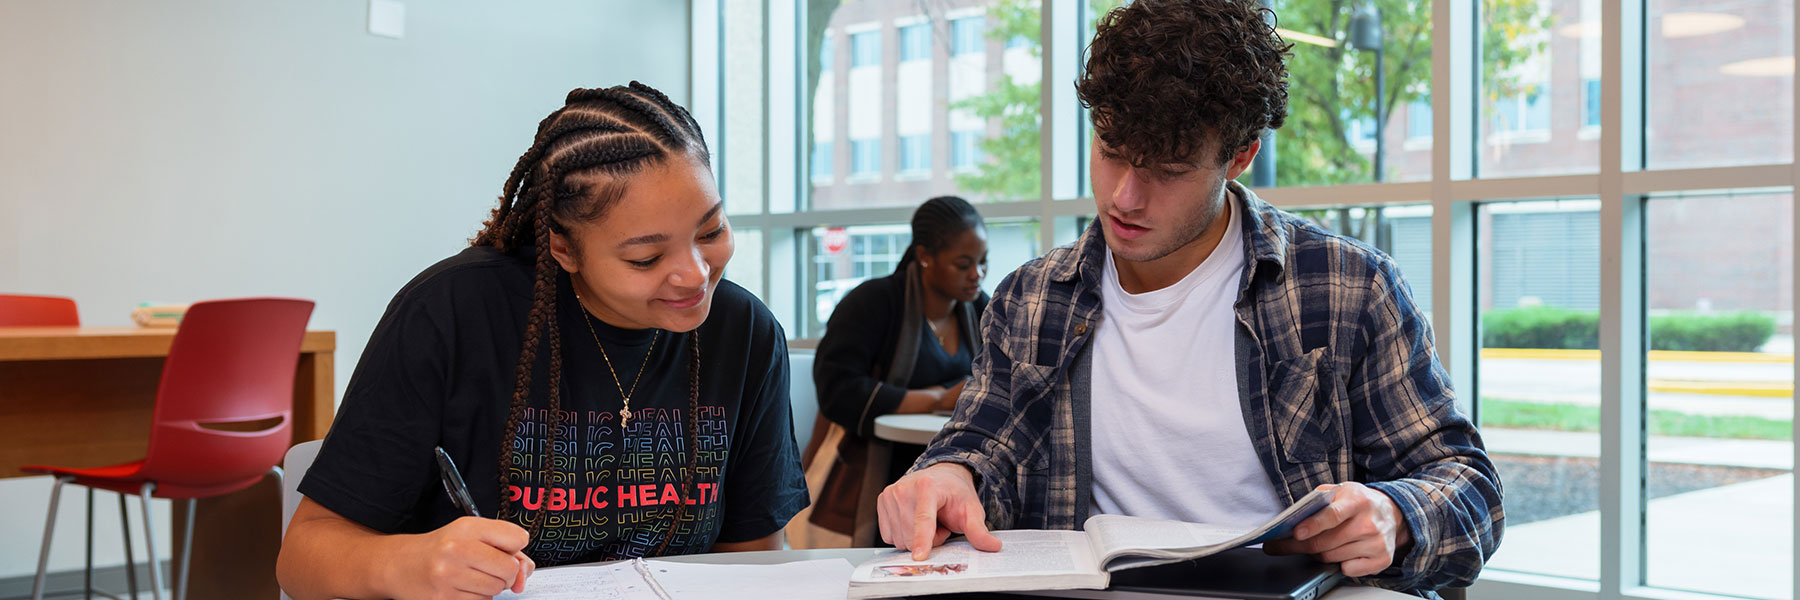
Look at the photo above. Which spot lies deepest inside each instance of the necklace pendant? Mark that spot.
(625, 416)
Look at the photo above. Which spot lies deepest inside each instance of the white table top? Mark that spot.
(909, 429)
(855, 555)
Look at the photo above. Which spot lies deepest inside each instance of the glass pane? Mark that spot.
(743, 164)
(1720, 373)
(1347, 58)
(842, 257)
(1539, 385)
(746, 266)
(1540, 84)
(1721, 82)
(1091, 12)
(1403, 232)
(937, 99)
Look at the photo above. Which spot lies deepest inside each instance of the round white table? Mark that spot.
(909, 429)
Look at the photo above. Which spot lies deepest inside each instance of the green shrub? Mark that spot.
(1561, 328)
(1723, 332)
(1540, 327)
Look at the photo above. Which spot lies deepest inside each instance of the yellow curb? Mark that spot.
(1655, 355)
(1754, 389)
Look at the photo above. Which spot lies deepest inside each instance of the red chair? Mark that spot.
(222, 420)
(38, 311)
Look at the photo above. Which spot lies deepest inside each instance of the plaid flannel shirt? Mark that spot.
(1336, 374)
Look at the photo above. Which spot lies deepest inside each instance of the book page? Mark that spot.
(1117, 534)
(617, 581)
(1124, 542)
(1022, 553)
(827, 579)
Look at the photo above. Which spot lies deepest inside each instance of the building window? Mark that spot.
(915, 42)
(821, 161)
(966, 36)
(1529, 111)
(827, 56)
(965, 149)
(865, 158)
(865, 49)
(1590, 103)
(915, 154)
(1418, 119)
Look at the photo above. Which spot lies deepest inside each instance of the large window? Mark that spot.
(1355, 75)
(1592, 202)
(1720, 83)
(957, 108)
(1719, 400)
(1539, 394)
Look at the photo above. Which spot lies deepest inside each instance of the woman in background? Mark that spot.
(900, 344)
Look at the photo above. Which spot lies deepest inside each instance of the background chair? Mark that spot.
(38, 311)
(293, 469)
(803, 398)
(222, 419)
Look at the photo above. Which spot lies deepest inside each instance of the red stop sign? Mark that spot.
(836, 240)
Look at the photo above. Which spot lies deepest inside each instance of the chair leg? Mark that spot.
(130, 562)
(150, 541)
(37, 582)
(187, 552)
(87, 571)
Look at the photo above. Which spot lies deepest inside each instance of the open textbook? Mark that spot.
(1031, 559)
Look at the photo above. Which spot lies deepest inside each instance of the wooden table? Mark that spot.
(82, 396)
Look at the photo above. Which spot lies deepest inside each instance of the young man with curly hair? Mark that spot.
(1199, 355)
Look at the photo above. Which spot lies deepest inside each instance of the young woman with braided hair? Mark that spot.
(606, 394)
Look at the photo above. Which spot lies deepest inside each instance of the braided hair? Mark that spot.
(574, 171)
(937, 223)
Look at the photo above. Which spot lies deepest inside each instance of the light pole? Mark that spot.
(1262, 168)
(1365, 35)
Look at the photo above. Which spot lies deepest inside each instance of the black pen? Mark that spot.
(453, 484)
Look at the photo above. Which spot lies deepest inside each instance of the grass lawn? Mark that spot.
(1500, 412)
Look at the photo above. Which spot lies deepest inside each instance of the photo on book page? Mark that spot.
(884, 572)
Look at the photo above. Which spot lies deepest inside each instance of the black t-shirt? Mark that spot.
(439, 371)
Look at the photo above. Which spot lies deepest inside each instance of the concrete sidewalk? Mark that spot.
(1767, 454)
(1729, 540)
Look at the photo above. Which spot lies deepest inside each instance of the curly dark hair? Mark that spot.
(1164, 77)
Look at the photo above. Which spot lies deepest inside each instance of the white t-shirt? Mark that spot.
(1169, 440)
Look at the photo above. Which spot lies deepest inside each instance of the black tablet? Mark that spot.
(1240, 574)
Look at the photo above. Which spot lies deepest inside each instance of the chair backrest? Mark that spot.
(38, 311)
(803, 398)
(224, 407)
(293, 469)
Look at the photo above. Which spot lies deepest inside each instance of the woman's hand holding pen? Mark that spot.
(471, 557)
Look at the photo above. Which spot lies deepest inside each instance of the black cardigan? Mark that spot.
(859, 344)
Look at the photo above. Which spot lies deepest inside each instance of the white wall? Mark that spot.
(181, 150)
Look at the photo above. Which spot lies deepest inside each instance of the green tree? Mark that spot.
(1330, 86)
(1015, 156)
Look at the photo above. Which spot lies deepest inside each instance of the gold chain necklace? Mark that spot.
(935, 333)
(624, 413)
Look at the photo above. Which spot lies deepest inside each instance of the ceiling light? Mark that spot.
(1684, 24)
(1772, 66)
(1306, 38)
